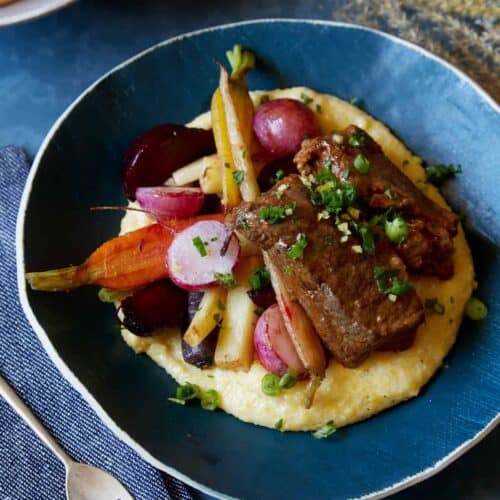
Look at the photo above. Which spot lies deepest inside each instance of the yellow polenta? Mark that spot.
(345, 395)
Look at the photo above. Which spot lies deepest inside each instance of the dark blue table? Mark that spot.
(46, 64)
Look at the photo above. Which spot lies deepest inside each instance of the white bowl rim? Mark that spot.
(80, 387)
(30, 13)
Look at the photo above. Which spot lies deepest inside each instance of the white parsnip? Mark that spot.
(192, 172)
(234, 350)
(207, 317)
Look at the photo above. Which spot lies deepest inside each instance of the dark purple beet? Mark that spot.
(158, 152)
(211, 205)
(202, 355)
(264, 298)
(160, 304)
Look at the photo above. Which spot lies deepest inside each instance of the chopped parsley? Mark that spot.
(361, 164)
(388, 283)
(296, 251)
(238, 176)
(200, 246)
(324, 431)
(306, 99)
(433, 306)
(210, 400)
(259, 278)
(436, 174)
(273, 215)
(357, 140)
(226, 279)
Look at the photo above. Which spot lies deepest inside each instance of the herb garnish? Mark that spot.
(396, 229)
(279, 424)
(324, 431)
(259, 278)
(296, 251)
(280, 174)
(242, 223)
(368, 238)
(273, 215)
(238, 176)
(475, 309)
(200, 246)
(226, 279)
(433, 306)
(187, 391)
(361, 164)
(210, 400)
(357, 140)
(270, 384)
(388, 283)
(306, 99)
(436, 174)
(287, 380)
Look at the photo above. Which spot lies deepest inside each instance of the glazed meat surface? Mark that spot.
(334, 284)
(429, 247)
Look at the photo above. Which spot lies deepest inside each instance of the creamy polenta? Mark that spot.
(345, 395)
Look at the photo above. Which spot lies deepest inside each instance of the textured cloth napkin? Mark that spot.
(25, 464)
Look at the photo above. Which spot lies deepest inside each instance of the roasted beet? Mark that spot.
(153, 157)
(160, 304)
(265, 297)
(201, 356)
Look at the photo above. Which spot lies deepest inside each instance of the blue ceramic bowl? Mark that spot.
(441, 114)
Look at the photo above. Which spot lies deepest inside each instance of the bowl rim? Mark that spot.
(72, 378)
(32, 13)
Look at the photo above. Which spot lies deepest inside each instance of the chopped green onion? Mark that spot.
(238, 176)
(244, 154)
(200, 246)
(436, 174)
(397, 286)
(433, 306)
(210, 400)
(270, 384)
(187, 391)
(357, 140)
(280, 174)
(259, 278)
(226, 279)
(318, 108)
(324, 431)
(396, 230)
(273, 215)
(296, 251)
(306, 99)
(475, 309)
(242, 223)
(279, 424)
(362, 164)
(287, 380)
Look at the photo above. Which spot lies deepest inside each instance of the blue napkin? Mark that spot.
(28, 470)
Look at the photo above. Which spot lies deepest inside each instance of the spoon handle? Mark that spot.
(25, 413)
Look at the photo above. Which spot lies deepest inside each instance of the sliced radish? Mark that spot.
(167, 202)
(194, 257)
(274, 346)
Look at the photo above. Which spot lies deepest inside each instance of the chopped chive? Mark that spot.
(270, 384)
(259, 278)
(296, 251)
(396, 230)
(361, 164)
(433, 306)
(306, 99)
(475, 309)
(287, 380)
(187, 391)
(357, 140)
(279, 424)
(324, 431)
(436, 174)
(210, 400)
(226, 279)
(200, 246)
(318, 108)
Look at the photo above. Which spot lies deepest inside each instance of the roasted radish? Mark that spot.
(201, 254)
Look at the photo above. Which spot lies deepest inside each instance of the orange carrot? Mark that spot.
(128, 261)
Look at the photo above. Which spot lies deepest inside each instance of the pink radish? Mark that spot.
(165, 202)
(201, 252)
(273, 345)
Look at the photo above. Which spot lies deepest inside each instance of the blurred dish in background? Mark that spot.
(17, 11)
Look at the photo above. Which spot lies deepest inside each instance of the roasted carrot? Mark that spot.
(128, 261)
